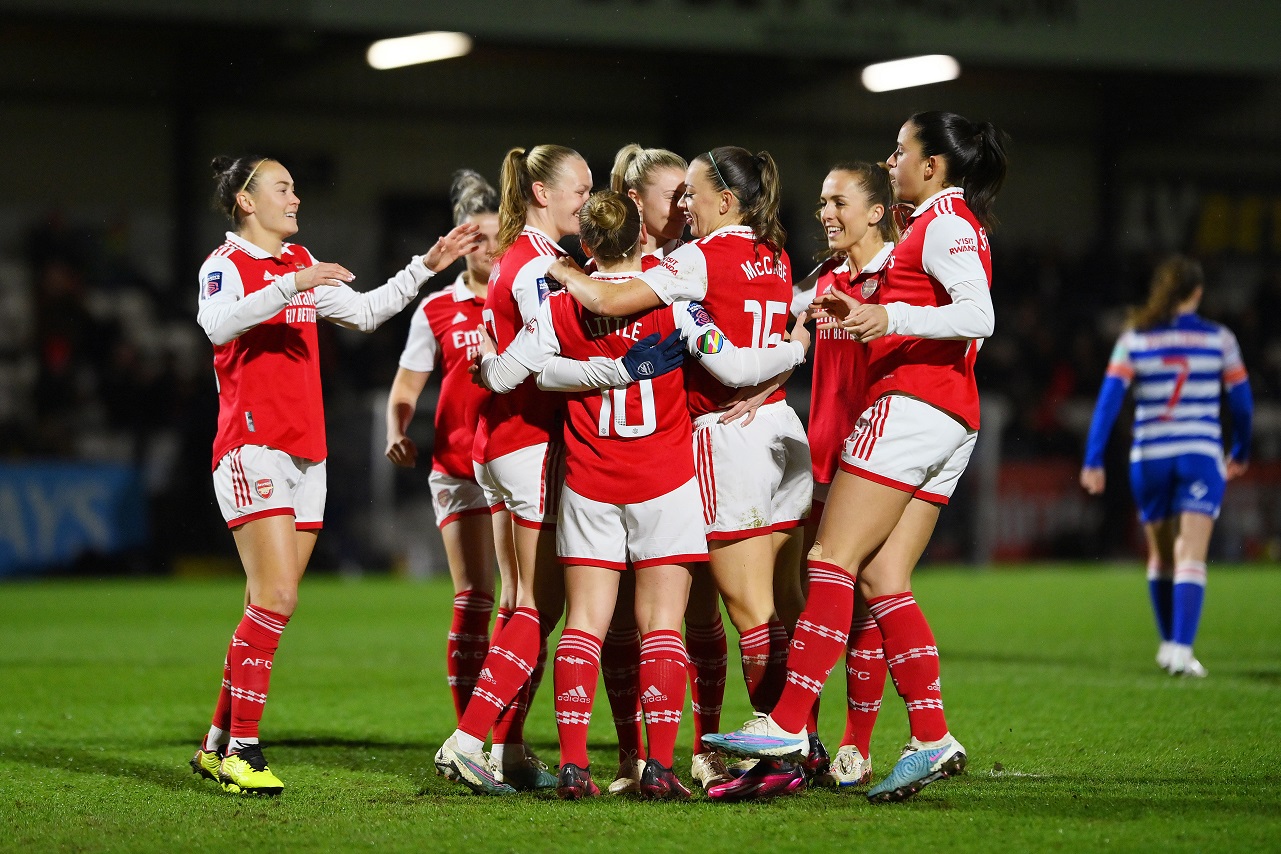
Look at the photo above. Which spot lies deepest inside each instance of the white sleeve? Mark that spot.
(421, 347)
(801, 301)
(529, 352)
(950, 254)
(681, 275)
(368, 310)
(225, 313)
(529, 288)
(731, 365)
(561, 374)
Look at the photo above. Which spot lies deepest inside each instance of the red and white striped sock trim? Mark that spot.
(1190, 572)
(889, 604)
(822, 572)
(578, 645)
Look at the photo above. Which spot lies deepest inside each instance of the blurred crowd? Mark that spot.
(103, 360)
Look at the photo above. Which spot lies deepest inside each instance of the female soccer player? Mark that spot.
(444, 331)
(518, 457)
(259, 300)
(654, 179)
(854, 208)
(619, 509)
(754, 478)
(908, 449)
(1180, 364)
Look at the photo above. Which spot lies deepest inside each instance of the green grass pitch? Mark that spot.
(1076, 740)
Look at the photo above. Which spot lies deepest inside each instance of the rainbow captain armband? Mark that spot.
(710, 342)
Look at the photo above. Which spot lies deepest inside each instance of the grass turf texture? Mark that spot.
(1076, 740)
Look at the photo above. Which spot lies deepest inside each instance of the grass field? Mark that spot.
(1076, 740)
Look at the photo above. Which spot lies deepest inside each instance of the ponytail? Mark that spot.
(974, 153)
(634, 167)
(754, 181)
(1174, 280)
(521, 170)
(233, 176)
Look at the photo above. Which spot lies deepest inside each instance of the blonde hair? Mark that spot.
(471, 194)
(634, 166)
(521, 170)
(1174, 280)
(609, 225)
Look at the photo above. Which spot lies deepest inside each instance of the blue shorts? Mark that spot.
(1192, 483)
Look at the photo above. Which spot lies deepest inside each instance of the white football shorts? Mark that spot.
(528, 481)
(664, 530)
(909, 445)
(254, 481)
(755, 479)
(453, 497)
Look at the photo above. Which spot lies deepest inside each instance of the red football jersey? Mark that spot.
(630, 444)
(746, 290)
(444, 332)
(517, 285)
(943, 241)
(269, 377)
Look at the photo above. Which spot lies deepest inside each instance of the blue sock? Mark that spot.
(1162, 592)
(1189, 594)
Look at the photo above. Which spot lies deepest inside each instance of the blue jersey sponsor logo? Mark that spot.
(213, 283)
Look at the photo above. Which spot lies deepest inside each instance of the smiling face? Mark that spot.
(566, 194)
(272, 205)
(659, 203)
(844, 210)
(706, 208)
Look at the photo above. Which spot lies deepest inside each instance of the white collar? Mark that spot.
(461, 292)
(739, 230)
(529, 229)
(253, 250)
(878, 260)
(934, 199)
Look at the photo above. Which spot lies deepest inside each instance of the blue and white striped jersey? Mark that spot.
(1179, 371)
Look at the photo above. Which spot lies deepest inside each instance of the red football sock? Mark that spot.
(819, 640)
(775, 669)
(620, 664)
(222, 710)
(510, 726)
(913, 662)
(664, 670)
(709, 660)
(505, 671)
(468, 644)
(864, 682)
(253, 648)
(753, 647)
(500, 620)
(574, 674)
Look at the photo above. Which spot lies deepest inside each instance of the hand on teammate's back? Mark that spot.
(649, 357)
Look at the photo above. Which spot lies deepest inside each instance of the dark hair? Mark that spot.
(610, 225)
(974, 153)
(634, 166)
(1174, 280)
(471, 194)
(753, 179)
(521, 170)
(232, 176)
(874, 180)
